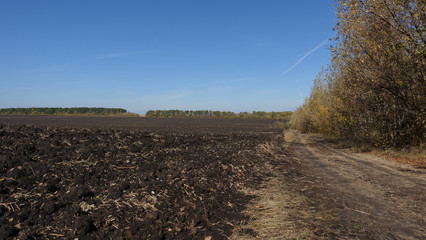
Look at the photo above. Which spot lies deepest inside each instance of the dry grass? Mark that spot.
(290, 137)
(276, 212)
(280, 124)
(414, 156)
(272, 214)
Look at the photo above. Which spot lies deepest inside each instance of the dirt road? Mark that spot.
(377, 199)
(320, 191)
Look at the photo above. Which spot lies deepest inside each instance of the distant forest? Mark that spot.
(218, 114)
(63, 111)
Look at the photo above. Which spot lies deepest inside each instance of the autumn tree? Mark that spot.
(315, 115)
(375, 89)
(379, 70)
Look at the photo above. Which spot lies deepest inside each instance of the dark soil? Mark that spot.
(143, 123)
(91, 178)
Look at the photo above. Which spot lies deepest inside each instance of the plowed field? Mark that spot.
(128, 178)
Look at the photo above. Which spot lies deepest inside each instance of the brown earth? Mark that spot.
(141, 123)
(142, 178)
(127, 178)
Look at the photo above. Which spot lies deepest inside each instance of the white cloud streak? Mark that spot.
(122, 54)
(234, 80)
(304, 56)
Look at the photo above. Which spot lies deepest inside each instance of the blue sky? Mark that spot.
(241, 55)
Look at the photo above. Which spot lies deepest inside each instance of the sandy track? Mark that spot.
(380, 199)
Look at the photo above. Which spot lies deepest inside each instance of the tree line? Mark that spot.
(218, 114)
(374, 89)
(63, 111)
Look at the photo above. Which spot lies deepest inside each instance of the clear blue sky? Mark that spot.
(239, 55)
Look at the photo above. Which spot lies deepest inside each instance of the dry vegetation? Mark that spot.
(415, 157)
(374, 90)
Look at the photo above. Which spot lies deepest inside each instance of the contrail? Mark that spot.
(304, 56)
(121, 54)
(235, 80)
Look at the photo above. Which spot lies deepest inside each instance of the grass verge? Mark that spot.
(290, 137)
(415, 156)
(276, 213)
